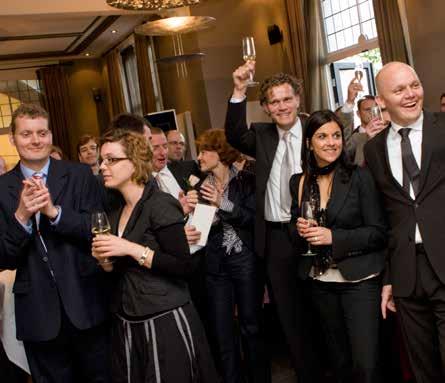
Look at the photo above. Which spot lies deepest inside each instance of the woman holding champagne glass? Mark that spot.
(156, 333)
(347, 236)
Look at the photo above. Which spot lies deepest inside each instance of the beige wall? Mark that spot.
(83, 76)
(222, 45)
(426, 29)
(183, 91)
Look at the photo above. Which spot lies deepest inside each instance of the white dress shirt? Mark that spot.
(395, 154)
(272, 209)
(168, 182)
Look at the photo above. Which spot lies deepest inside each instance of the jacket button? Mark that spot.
(45, 259)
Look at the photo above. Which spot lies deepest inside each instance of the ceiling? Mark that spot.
(63, 29)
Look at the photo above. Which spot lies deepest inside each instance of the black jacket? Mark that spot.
(356, 219)
(241, 218)
(260, 141)
(157, 221)
(404, 212)
(79, 282)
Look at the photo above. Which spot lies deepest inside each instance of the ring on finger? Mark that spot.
(316, 239)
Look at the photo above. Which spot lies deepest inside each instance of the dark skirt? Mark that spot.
(168, 348)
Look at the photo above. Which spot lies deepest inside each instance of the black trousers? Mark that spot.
(349, 317)
(422, 319)
(73, 356)
(237, 283)
(287, 294)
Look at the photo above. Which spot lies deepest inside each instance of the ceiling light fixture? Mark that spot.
(150, 4)
(113, 31)
(87, 54)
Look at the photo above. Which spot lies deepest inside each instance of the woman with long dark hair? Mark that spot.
(347, 238)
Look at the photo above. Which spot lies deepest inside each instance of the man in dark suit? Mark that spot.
(171, 177)
(60, 300)
(407, 161)
(277, 149)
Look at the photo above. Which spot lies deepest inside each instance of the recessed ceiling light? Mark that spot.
(113, 31)
(87, 54)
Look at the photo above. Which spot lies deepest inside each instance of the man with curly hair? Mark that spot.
(277, 149)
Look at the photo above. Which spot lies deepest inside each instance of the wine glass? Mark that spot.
(249, 54)
(101, 225)
(358, 74)
(307, 211)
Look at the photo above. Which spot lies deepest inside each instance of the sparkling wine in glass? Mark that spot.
(249, 54)
(307, 211)
(358, 74)
(101, 225)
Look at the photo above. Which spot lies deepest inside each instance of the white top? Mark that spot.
(272, 209)
(395, 154)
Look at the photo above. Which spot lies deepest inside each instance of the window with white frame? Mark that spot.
(350, 37)
(348, 24)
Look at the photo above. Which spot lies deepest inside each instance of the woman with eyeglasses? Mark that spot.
(156, 333)
(347, 236)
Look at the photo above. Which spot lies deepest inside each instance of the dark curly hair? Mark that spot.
(313, 123)
(276, 80)
(136, 149)
(215, 140)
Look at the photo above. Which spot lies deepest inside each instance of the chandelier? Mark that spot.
(150, 4)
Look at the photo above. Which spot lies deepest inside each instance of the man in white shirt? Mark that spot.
(407, 161)
(277, 149)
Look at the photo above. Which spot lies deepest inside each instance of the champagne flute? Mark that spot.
(100, 225)
(249, 54)
(308, 214)
(358, 73)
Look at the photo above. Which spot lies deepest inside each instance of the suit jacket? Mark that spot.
(354, 140)
(78, 282)
(182, 170)
(241, 218)
(427, 210)
(357, 222)
(260, 142)
(157, 221)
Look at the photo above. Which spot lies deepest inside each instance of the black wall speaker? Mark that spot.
(275, 34)
(97, 94)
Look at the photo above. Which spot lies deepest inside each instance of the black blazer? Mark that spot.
(182, 170)
(241, 218)
(260, 142)
(79, 282)
(157, 221)
(356, 219)
(403, 212)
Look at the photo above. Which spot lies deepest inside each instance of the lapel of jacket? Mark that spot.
(400, 193)
(15, 186)
(428, 143)
(57, 179)
(148, 191)
(340, 191)
(271, 140)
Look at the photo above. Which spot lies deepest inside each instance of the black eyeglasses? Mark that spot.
(112, 160)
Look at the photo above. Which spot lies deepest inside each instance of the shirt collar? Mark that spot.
(164, 170)
(417, 125)
(27, 172)
(295, 130)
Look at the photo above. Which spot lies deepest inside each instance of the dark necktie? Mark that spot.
(411, 171)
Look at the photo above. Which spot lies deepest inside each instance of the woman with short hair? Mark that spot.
(156, 333)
